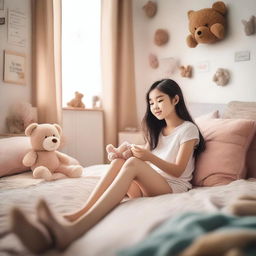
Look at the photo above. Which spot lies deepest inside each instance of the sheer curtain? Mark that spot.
(119, 99)
(46, 59)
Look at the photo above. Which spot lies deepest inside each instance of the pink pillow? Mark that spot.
(244, 110)
(213, 114)
(251, 159)
(227, 142)
(12, 151)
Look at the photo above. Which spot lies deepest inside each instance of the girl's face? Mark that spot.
(161, 105)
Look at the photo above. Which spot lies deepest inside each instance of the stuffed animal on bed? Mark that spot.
(207, 25)
(123, 151)
(45, 161)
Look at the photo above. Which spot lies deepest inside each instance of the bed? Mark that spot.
(128, 224)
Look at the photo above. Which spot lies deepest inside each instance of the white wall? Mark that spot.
(11, 93)
(172, 15)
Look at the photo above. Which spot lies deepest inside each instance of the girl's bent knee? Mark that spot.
(131, 162)
(118, 161)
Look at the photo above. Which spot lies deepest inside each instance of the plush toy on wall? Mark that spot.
(221, 77)
(45, 161)
(123, 151)
(161, 37)
(153, 61)
(150, 9)
(249, 26)
(77, 101)
(186, 71)
(207, 25)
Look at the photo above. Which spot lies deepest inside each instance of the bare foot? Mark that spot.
(247, 197)
(243, 208)
(31, 233)
(59, 229)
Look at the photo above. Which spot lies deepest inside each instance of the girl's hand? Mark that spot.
(141, 153)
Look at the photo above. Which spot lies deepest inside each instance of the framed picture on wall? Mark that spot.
(14, 68)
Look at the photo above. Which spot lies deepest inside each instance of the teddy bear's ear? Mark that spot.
(58, 128)
(30, 129)
(220, 7)
(189, 13)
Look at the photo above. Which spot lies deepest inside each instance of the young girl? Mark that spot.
(165, 165)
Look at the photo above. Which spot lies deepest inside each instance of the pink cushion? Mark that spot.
(12, 151)
(213, 114)
(244, 110)
(227, 142)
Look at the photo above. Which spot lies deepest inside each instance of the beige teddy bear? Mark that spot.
(207, 25)
(123, 151)
(77, 101)
(44, 159)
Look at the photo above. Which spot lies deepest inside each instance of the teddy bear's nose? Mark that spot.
(54, 140)
(199, 32)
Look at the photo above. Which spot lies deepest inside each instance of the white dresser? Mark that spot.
(83, 131)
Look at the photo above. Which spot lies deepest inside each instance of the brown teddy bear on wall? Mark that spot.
(186, 71)
(207, 25)
(77, 101)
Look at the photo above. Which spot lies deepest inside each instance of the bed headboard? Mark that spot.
(197, 109)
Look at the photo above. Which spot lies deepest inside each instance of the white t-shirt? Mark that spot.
(167, 149)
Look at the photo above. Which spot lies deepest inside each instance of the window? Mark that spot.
(81, 68)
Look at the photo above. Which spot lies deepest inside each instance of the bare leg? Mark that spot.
(150, 181)
(103, 184)
(134, 190)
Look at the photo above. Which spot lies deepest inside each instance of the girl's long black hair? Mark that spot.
(153, 126)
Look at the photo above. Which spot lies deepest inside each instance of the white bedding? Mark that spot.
(126, 225)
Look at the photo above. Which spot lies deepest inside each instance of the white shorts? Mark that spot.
(177, 188)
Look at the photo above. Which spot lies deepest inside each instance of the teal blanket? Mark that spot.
(176, 234)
